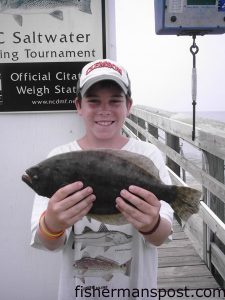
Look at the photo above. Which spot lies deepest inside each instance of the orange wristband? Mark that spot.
(44, 230)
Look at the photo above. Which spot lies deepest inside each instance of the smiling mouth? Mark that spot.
(105, 123)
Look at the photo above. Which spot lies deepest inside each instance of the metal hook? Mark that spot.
(194, 50)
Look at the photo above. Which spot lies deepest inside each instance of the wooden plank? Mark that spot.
(214, 223)
(177, 227)
(176, 244)
(218, 259)
(188, 260)
(179, 236)
(183, 271)
(194, 230)
(166, 252)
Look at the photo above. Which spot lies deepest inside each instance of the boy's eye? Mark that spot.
(116, 101)
(93, 100)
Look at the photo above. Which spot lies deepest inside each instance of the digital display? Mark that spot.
(201, 2)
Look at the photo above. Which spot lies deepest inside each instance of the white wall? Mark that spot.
(25, 139)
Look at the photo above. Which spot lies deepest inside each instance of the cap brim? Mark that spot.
(92, 81)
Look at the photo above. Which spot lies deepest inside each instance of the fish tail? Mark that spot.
(128, 267)
(186, 202)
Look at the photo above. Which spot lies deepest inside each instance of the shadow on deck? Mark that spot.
(180, 267)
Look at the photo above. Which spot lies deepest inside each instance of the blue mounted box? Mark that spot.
(189, 17)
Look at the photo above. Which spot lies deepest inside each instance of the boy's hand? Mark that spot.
(68, 205)
(145, 214)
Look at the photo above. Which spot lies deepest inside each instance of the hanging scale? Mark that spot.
(194, 50)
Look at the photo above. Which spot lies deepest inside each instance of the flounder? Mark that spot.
(108, 172)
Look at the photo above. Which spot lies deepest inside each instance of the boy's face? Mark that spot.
(104, 110)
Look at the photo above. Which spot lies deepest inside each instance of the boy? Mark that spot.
(101, 260)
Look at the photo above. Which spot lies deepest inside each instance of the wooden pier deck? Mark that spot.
(180, 267)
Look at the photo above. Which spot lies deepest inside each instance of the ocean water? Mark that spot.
(212, 115)
(192, 153)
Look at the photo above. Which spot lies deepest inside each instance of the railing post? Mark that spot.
(142, 124)
(173, 142)
(153, 131)
(133, 118)
(215, 167)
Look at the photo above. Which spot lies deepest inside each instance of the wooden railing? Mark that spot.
(168, 131)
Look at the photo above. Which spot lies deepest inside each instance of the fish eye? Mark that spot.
(35, 177)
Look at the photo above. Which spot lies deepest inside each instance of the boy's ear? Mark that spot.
(78, 105)
(129, 105)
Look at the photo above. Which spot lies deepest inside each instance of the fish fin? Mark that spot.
(128, 267)
(106, 259)
(82, 246)
(82, 272)
(186, 202)
(58, 14)
(82, 279)
(88, 218)
(85, 6)
(103, 228)
(106, 248)
(87, 230)
(85, 254)
(107, 277)
(18, 19)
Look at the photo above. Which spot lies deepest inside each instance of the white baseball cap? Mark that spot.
(103, 69)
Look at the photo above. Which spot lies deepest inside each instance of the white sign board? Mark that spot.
(43, 46)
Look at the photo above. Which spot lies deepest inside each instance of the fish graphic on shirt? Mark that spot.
(102, 238)
(99, 267)
(17, 8)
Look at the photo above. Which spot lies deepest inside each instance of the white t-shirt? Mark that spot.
(102, 261)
